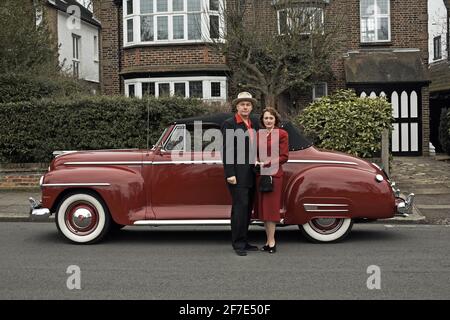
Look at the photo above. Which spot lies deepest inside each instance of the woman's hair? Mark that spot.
(273, 112)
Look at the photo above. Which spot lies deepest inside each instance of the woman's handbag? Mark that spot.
(265, 184)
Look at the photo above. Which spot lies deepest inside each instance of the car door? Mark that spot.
(186, 181)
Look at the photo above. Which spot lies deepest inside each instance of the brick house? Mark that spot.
(438, 26)
(154, 47)
(77, 38)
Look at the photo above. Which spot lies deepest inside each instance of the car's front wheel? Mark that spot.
(326, 229)
(83, 218)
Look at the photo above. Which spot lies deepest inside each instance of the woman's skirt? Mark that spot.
(268, 204)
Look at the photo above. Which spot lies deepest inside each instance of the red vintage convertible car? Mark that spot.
(93, 192)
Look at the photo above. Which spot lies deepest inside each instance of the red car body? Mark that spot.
(94, 191)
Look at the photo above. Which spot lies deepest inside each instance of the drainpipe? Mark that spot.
(119, 49)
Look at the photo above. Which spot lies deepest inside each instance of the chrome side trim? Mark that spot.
(323, 161)
(198, 222)
(105, 163)
(188, 162)
(96, 184)
(323, 210)
(325, 205)
(316, 207)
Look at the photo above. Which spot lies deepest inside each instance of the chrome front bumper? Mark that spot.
(404, 206)
(36, 210)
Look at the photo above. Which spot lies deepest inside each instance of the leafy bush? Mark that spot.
(347, 123)
(444, 130)
(16, 87)
(32, 130)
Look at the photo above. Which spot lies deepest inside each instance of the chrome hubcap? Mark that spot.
(326, 225)
(81, 218)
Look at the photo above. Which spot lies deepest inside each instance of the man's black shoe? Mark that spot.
(249, 247)
(240, 252)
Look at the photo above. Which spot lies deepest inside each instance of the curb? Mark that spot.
(24, 218)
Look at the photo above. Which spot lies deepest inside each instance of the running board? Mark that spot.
(213, 222)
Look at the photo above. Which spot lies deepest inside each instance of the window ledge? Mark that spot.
(376, 44)
(165, 44)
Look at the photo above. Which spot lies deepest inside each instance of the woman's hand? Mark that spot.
(232, 180)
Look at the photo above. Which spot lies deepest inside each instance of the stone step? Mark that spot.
(430, 199)
(433, 206)
(426, 191)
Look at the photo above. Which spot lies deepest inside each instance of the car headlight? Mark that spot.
(41, 181)
(379, 178)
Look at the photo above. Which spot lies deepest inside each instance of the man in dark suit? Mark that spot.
(238, 156)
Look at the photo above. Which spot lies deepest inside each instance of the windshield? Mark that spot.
(160, 139)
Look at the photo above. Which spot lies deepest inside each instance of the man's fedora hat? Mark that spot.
(244, 96)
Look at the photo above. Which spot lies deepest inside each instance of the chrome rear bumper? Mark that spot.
(404, 206)
(36, 210)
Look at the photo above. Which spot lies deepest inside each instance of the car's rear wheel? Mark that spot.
(326, 229)
(83, 218)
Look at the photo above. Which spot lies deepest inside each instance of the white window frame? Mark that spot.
(96, 54)
(204, 12)
(76, 58)
(314, 90)
(437, 39)
(376, 15)
(206, 86)
(289, 22)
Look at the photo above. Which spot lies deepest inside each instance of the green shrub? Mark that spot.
(16, 87)
(444, 130)
(347, 123)
(32, 130)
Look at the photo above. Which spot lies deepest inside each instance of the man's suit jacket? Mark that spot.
(232, 129)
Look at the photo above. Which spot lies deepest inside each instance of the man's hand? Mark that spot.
(232, 180)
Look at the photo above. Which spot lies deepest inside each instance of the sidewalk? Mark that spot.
(427, 177)
(14, 205)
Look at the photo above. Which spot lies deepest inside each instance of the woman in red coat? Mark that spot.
(273, 152)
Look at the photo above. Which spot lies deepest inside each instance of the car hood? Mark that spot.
(102, 156)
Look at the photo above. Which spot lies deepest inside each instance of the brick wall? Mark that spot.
(136, 58)
(109, 15)
(17, 176)
(51, 19)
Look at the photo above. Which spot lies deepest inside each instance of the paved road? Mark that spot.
(198, 263)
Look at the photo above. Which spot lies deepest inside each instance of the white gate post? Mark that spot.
(385, 150)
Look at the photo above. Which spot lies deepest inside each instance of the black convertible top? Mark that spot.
(297, 140)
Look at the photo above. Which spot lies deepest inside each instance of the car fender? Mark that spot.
(122, 189)
(338, 192)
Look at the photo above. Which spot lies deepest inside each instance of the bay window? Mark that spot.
(203, 87)
(172, 21)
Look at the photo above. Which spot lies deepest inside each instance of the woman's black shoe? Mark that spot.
(273, 249)
(265, 248)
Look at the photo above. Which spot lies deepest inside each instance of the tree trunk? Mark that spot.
(270, 101)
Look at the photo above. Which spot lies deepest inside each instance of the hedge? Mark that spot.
(345, 122)
(15, 87)
(444, 130)
(32, 130)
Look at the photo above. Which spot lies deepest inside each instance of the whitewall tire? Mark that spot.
(82, 218)
(325, 230)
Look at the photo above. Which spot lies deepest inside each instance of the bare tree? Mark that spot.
(271, 60)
